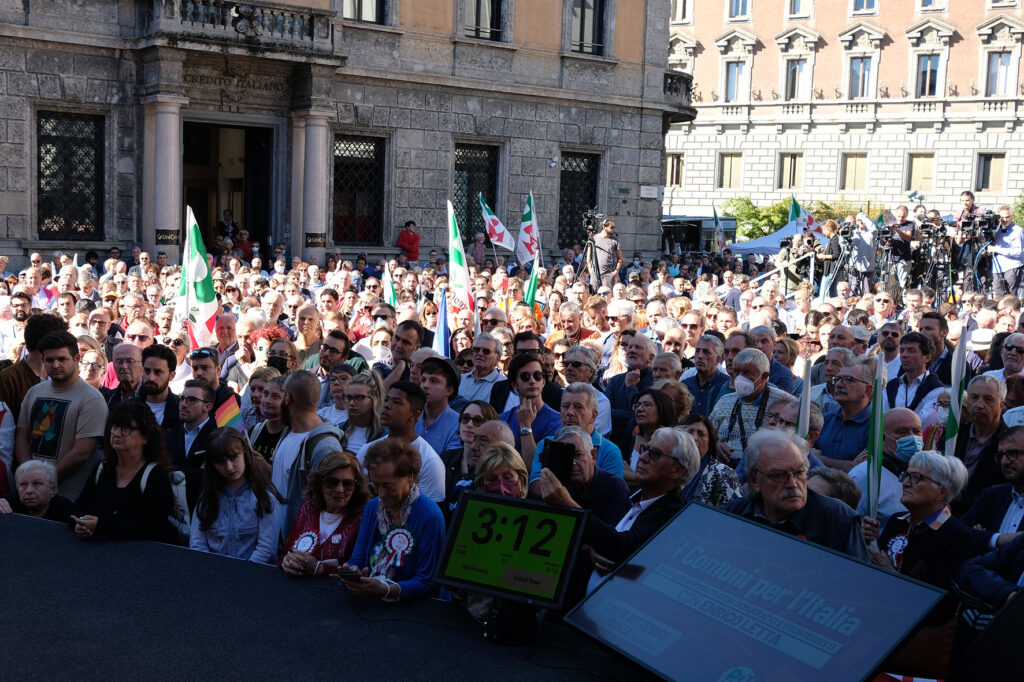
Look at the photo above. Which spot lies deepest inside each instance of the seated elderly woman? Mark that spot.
(402, 532)
(35, 483)
(327, 523)
(925, 542)
(129, 495)
(714, 483)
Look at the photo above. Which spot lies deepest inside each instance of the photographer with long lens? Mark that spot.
(903, 233)
(1007, 250)
(968, 241)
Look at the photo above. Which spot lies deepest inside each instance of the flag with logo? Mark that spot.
(496, 231)
(802, 217)
(196, 307)
(458, 280)
(388, 285)
(719, 232)
(874, 462)
(528, 246)
(956, 394)
(443, 333)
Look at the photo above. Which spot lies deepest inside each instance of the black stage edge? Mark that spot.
(91, 610)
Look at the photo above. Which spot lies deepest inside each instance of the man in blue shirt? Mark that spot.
(532, 420)
(707, 382)
(845, 431)
(439, 423)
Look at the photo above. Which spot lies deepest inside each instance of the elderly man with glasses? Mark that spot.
(581, 366)
(780, 498)
(844, 433)
(478, 384)
(1013, 358)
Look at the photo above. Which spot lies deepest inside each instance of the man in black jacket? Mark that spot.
(205, 364)
(186, 442)
(978, 439)
(997, 516)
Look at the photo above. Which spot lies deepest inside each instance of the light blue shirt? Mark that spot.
(192, 434)
(443, 432)
(471, 388)
(239, 532)
(1008, 248)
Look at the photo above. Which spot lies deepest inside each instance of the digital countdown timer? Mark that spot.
(512, 548)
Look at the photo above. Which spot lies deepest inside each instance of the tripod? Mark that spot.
(939, 273)
(588, 266)
(840, 267)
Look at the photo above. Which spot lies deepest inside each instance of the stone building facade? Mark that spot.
(888, 101)
(325, 123)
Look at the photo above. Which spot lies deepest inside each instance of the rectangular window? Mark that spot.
(791, 169)
(733, 78)
(358, 190)
(370, 11)
(737, 9)
(588, 26)
(679, 13)
(70, 185)
(999, 74)
(476, 172)
(860, 77)
(483, 19)
(854, 172)
(577, 194)
(730, 171)
(795, 6)
(794, 74)
(863, 5)
(927, 75)
(921, 174)
(674, 170)
(991, 169)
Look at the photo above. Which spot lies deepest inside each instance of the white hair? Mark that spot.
(48, 469)
(753, 356)
(949, 472)
(684, 451)
(772, 437)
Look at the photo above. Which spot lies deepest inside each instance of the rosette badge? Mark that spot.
(306, 542)
(399, 544)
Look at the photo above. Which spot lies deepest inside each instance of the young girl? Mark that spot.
(237, 512)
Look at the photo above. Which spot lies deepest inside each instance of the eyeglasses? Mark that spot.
(690, 326)
(355, 398)
(476, 419)
(338, 378)
(137, 337)
(915, 477)
(95, 365)
(779, 477)
(382, 316)
(841, 379)
(172, 341)
(1015, 349)
(191, 400)
(882, 300)
(575, 364)
(654, 454)
(122, 430)
(330, 349)
(201, 353)
(536, 376)
(489, 321)
(481, 349)
(334, 481)
(464, 363)
(776, 420)
(283, 356)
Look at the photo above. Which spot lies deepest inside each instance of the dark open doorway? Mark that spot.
(229, 167)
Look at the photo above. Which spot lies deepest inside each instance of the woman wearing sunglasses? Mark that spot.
(327, 524)
(457, 460)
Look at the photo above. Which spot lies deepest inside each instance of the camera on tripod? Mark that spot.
(982, 225)
(591, 221)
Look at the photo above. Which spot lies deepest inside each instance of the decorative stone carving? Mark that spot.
(248, 22)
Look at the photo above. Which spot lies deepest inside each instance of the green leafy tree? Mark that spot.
(753, 222)
(1018, 209)
(839, 208)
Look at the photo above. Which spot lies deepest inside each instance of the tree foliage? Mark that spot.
(1018, 209)
(840, 208)
(753, 222)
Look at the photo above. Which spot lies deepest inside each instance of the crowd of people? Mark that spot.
(322, 432)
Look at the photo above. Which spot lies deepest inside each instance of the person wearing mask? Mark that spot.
(158, 365)
(707, 380)
(62, 419)
(186, 442)
(901, 440)
(736, 416)
(997, 516)
(1007, 250)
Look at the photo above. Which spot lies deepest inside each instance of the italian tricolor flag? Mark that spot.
(458, 278)
(196, 307)
(956, 395)
(875, 441)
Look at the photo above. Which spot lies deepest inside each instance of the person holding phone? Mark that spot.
(587, 486)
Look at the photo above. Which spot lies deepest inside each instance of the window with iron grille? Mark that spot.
(588, 26)
(358, 190)
(70, 177)
(483, 19)
(476, 171)
(577, 194)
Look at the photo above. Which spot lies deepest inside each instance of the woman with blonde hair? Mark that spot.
(364, 398)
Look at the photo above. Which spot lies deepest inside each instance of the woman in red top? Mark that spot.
(409, 241)
(327, 524)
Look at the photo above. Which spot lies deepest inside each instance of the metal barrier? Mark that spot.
(780, 268)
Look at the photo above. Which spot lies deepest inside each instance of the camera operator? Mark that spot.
(790, 250)
(862, 256)
(903, 233)
(833, 252)
(609, 257)
(967, 244)
(1007, 249)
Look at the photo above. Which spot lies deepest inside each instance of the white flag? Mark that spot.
(529, 234)
(496, 232)
(196, 307)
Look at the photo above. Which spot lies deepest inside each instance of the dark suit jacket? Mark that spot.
(190, 463)
(617, 546)
(993, 576)
(988, 512)
(987, 473)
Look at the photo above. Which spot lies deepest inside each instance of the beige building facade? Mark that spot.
(892, 101)
(329, 123)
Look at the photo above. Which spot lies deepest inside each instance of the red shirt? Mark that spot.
(410, 241)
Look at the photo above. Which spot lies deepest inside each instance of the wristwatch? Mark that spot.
(525, 430)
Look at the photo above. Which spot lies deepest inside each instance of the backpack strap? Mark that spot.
(309, 445)
(145, 475)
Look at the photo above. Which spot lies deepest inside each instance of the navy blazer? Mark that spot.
(190, 463)
(987, 472)
(993, 576)
(988, 512)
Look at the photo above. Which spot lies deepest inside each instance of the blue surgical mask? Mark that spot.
(908, 446)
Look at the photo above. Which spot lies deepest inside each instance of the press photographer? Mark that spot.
(969, 222)
(903, 233)
(790, 250)
(861, 272)
(1007, 250)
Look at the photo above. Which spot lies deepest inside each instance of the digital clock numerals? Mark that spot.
(486, 533)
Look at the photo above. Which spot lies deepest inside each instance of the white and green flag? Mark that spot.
(387, 283)
(496, 231)
(956, 394)
(528, 245)
(719, 232)
(196, 306)
(875, 444)
(458, 278)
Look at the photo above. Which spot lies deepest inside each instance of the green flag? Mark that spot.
(195, 309)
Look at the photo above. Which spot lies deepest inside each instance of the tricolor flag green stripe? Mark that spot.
(875, 444)
(959, 376)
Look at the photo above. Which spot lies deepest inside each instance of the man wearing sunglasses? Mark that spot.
(478, 384)
(780, 498)
(532, 420)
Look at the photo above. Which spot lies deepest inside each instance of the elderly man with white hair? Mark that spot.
(573, 331)
(777, 472)
(621, 317)
(1013, 357)
(778, 374)
(736, 416)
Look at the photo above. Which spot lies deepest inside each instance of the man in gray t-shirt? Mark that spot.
(609, 257)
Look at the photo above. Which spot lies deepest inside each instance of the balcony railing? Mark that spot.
(677, 88)
(251, 23)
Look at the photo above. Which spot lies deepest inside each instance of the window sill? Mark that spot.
(367, 26)
(798, 17)
(589, 58)
(738, 20)
(481, 42)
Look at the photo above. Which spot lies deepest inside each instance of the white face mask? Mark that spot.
(744, 386)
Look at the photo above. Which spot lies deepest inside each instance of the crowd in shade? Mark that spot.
(327, 421)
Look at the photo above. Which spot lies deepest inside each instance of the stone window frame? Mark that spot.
(507, 23)
(1007, 40)
(869, 46)
(910, 154)
(719, 158)
(687, 19)
(109, 175)
(975, 179)
(777, 180)
(389, 230)
(502, 145)
(798, 42)
(681, 50)
(390, 14)
(867, 170)
(806, 11)
(872, 12)
(740, 18)
(610, 9)
(937, 6)
(736, 45)
(928, 38)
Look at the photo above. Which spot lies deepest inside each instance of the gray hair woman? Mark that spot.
(926, 542)
(36, 485)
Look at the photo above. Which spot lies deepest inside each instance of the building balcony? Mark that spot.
(678, 92)
(263, 25)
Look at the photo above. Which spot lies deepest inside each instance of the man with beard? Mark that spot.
(889, 336)
(158, 365)
(12, 332)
